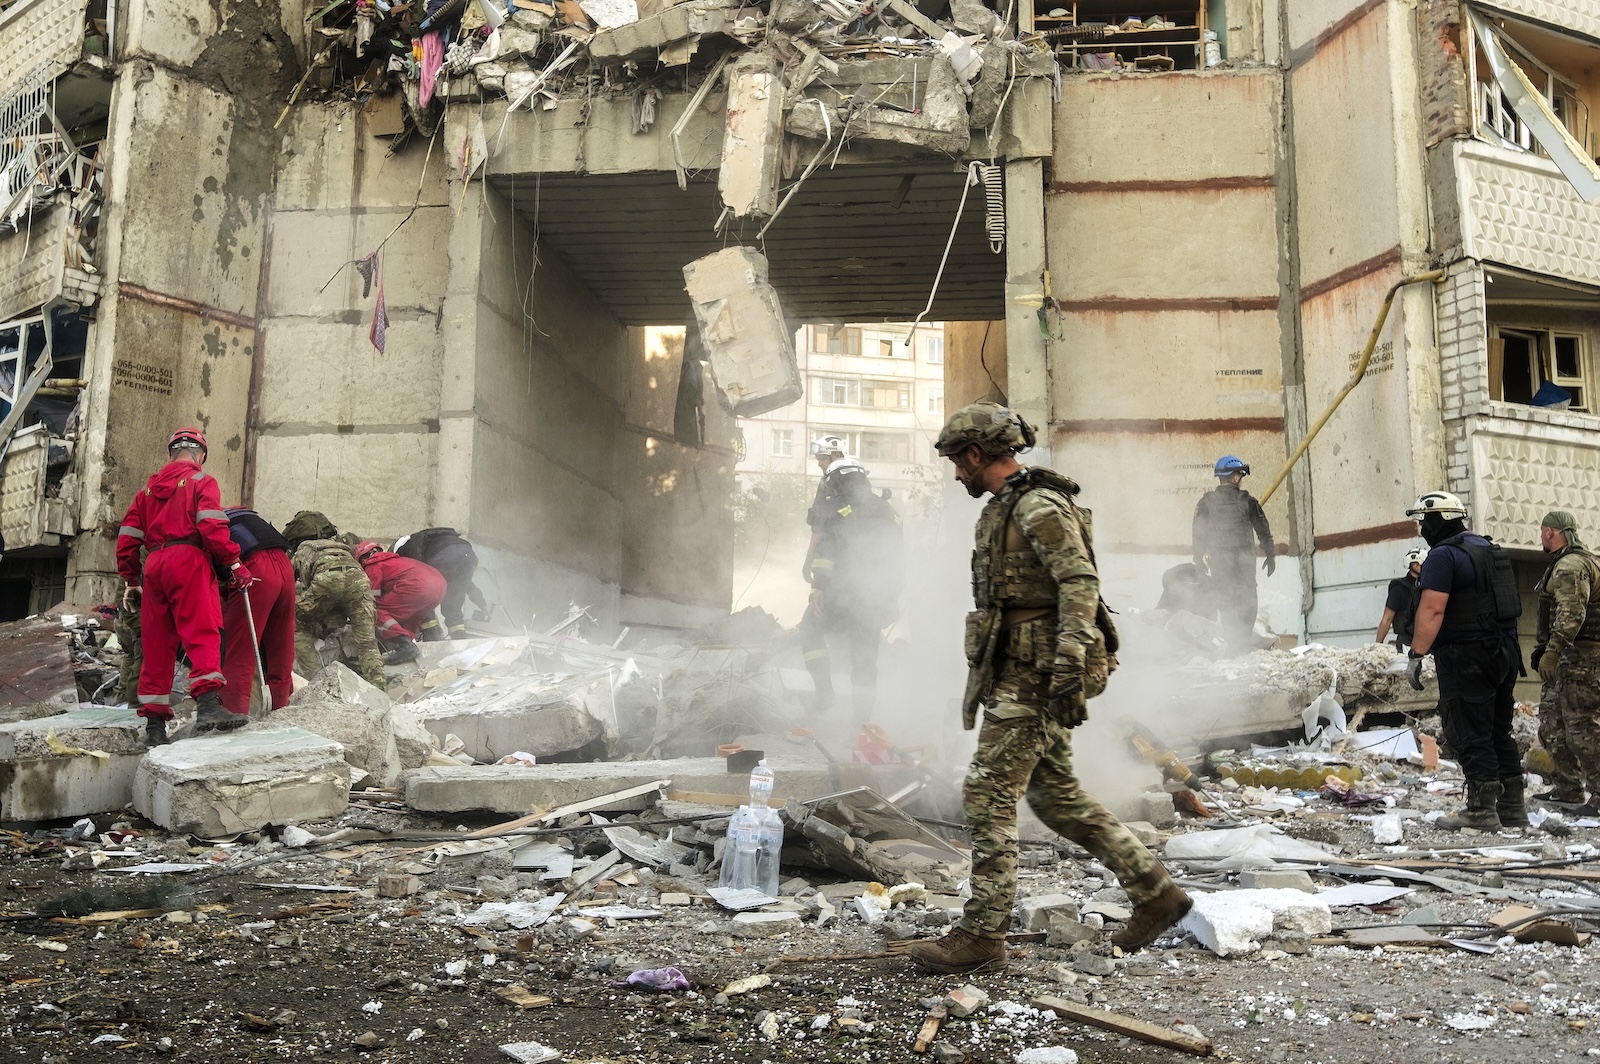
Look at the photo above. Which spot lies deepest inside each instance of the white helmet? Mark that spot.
(1437, 502)
(827, 445)
(1415, 555)
(844, 466)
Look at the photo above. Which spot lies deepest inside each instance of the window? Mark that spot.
(885, 348)
(1499, 123)
(885, 447)
(783, 443)
(933, 350)
(935, 401)
(886, 395)
(1521, 361)
(835, 340)
(836, 391)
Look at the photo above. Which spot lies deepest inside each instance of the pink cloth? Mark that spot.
(432, 61)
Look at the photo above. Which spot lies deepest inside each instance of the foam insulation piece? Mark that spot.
(1231, 923)
(742, 327)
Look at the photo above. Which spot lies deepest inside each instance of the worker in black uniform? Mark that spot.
(1467, 619)
(825, 451)
(447, 551)
(1228, 524)
(1400, 607)
(856, 572)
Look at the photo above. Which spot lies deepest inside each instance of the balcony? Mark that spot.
(1526, 462)
(35, 511)
(1518, 210)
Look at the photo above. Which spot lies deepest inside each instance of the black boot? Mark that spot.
(155, 731)
(1511, 808)
(209, 715)
(401, 650)
(1480, 811)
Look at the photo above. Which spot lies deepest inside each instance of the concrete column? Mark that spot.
(1027, 370)
(452, 489)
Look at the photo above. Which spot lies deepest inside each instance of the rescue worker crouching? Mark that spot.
(1566, 655)
(1467, 619)
(407, 592)
(1039, 645)
(856, 571)
(448, 551)
(331, 591)
(178, 519)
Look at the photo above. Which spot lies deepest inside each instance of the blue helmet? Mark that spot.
(1229, 464)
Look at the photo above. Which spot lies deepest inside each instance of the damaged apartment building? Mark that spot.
(402, 263)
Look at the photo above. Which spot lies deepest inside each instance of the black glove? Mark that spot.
(1270, 563)
(1414, 673)
(1533, 659)
(1066, 703)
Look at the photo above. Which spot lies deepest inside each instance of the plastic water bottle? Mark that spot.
(755, 840)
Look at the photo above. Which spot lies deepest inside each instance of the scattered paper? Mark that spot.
(739, 900)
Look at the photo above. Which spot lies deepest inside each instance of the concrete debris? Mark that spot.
(918, 102)
(861, 833)
(1277, 879)
(379, 737)
(764, 925)
(748, 176)
(220, 785)
(965, 1001)
(72, 763)
(739, 320)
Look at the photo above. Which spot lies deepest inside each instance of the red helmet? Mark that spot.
(366, 549)
(191, 436)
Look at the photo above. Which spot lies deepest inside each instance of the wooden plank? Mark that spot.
(602, 801)
(930, 1029)
(1126, 1025)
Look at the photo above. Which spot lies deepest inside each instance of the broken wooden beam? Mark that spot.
(930, 1028)
(1126, 1025)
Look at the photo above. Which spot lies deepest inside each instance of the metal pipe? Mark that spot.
(1355, 378)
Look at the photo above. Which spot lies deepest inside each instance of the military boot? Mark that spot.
(1480, 811)
(155, 731)
(1511, 808)
(1151, 918)
(958, 952)
(402, 649)
(210, 716)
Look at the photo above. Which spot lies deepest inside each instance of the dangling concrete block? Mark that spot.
(748, 175)
(742, 328)
(920, 102)
(219, 785)
(48, 767)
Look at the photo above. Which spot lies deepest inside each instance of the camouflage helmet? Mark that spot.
(995, 428)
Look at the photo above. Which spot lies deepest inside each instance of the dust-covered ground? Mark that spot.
(245, 967)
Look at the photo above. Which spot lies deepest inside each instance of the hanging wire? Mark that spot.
(994, 217)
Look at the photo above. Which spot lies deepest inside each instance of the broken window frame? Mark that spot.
(1541, 363)
(1534, 108)
(1505, 127)
(875, 440)
(825, 338)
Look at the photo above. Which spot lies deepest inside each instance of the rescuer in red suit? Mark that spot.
(178, 518)
(408, 591)
(271, 596)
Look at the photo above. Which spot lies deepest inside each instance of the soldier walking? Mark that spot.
(1566, 655)
(1228, 524)
(1040, 645)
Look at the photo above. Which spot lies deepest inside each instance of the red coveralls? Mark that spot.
(408, 592)
(178, 517)
(272, 603)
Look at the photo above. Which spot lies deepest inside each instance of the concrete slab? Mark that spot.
(41, 783)
(495, 715)
(36, 677)
(219, 785)
(742, 327)
(378, 737)
(513, 789)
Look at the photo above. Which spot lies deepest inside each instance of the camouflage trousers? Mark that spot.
(1578, 699)
(336, 597)
(129, 635)
(1567, 779)
(1022, 753)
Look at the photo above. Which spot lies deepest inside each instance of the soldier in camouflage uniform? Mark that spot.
(128, 631)
(1040, 644)
(331, 590)
(1567, 656)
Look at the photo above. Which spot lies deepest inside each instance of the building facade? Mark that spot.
(883, 395)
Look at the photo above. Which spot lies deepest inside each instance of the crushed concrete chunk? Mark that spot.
(764, 925)
(747, 178)
(1231, 923)
(341, 706)
(965, 1001)
(934, 118)
(220, 785)
(1278, 879)
(49, 768)
(742, 328)
(1035, 914)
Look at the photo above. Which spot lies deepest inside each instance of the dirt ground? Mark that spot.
(245, 967)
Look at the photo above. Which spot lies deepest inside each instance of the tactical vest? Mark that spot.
(1590, 630)
(320, 555)
(1405, 621)
(1492, 603)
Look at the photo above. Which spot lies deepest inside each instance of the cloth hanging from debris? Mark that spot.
(1531, 106)
(379, 331)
